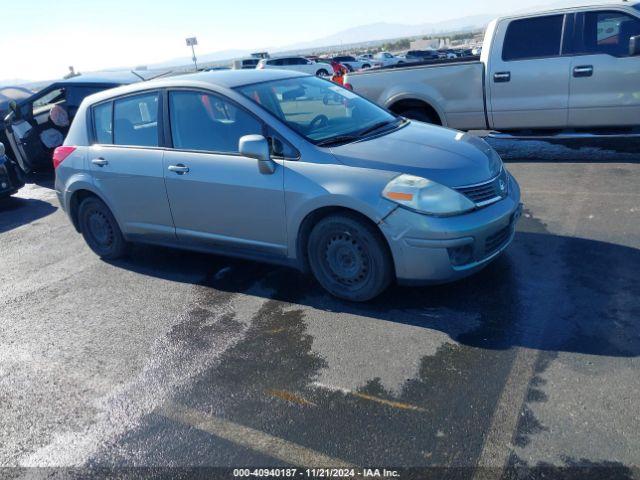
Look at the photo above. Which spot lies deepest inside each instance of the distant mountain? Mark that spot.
(360, 34)
(384, 31)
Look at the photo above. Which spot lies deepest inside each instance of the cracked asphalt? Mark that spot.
(173, 360)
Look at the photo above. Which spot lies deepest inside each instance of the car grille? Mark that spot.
(497, 240)
(488, 192)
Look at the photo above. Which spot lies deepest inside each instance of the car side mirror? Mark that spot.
(1, 149)
(256, 146)
(634, 46)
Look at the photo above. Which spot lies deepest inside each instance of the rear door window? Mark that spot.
(210, 123)
(538, 37)
(136, 120)
(607, 32)
(102, 122)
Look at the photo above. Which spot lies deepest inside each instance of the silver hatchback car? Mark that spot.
(286, 168)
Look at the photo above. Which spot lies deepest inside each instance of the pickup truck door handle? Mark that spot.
(180, 169)
(583, 71)
(100, 162)
(502, 77)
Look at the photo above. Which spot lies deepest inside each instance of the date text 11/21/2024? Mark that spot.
(317, 472)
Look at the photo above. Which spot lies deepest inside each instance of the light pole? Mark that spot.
(192, 42)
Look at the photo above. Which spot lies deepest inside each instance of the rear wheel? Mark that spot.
(100, 229)
(349, 258)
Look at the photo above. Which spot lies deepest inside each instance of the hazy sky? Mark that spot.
(40, 38)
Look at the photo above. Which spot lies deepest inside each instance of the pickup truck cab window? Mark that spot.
(537, 37)
(606, 32)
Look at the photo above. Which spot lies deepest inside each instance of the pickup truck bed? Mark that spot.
(407, 89)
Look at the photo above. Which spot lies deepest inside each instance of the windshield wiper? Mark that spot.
(375, 127)
(338, 139)
(356, 136)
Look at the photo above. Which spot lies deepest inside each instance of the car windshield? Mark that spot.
(318, 109)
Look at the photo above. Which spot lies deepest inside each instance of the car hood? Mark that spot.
(443, 155)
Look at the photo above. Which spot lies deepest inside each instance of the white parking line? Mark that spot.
(256, 440)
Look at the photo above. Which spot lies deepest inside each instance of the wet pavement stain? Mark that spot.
(451, 398)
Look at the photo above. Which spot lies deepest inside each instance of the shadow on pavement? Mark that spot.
(547, 292)
(15, 212)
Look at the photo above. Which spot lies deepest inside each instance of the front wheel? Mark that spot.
(322, 73)
(100, 229)
(349, 258)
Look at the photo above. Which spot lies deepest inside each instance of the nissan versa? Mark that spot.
(288, 168)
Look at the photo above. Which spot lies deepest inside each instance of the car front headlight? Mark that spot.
(426, 196)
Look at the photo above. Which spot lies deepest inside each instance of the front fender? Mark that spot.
(310, 187)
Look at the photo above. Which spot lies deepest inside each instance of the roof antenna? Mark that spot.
(137, 75)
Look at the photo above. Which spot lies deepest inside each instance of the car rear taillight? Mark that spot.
(60, 153)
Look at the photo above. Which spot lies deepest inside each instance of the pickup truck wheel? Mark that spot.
(100, 229)
(419, 115)
(349, 258)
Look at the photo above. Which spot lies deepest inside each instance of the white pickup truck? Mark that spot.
(566, 71)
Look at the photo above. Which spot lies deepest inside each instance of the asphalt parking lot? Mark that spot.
(176, 359)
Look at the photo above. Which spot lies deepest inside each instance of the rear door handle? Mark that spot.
(101, 162)
(180, 169)
(502, 77)
(583, 71)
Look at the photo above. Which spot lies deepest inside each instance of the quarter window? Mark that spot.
(608, 32)
(533, 38)
(102, 123)
(136, 121)
(201, 121)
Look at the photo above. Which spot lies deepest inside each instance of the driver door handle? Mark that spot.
(101, 162)
(502, 77)
(180, 169)
(583, 71)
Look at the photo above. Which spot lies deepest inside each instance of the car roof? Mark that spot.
(222, 78)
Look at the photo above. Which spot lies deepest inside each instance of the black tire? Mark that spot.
(100, 229)
(322, 73)
(366, 65)
(420, 115)
(349, 258)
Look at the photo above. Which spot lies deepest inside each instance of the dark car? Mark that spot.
(11, 178)
(9, 94)
(422, 55)
(38, 123)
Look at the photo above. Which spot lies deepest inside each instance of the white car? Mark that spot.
(352, 63)
(386, 59)
(299, 64)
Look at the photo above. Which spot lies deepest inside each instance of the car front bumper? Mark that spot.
(428, 249)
